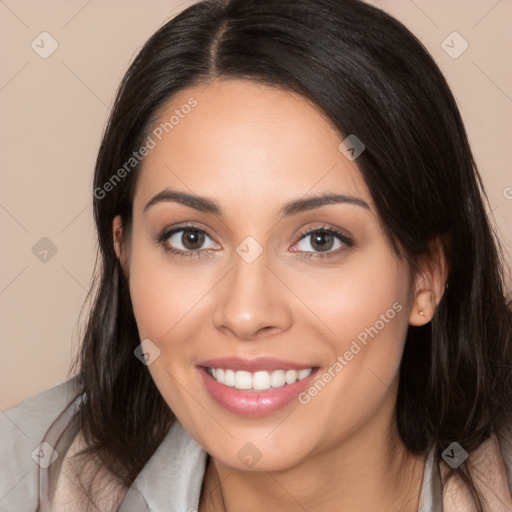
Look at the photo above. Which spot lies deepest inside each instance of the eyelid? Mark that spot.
(325, 228)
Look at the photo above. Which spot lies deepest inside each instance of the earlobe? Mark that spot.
(424, 303)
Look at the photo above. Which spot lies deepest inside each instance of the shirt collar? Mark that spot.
(171, 480)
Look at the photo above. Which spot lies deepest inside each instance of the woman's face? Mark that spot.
(251, 297)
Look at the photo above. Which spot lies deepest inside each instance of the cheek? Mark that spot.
(164, 295)
(364, 305)
(365, 297)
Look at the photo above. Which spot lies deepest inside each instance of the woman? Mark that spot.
(300, 304)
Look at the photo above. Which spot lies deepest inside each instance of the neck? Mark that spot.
(367, 471)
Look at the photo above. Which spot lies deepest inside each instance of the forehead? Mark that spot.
(245, 142)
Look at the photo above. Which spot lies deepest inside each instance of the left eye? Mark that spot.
(321, 240)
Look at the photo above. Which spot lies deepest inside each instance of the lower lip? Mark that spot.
(254, 403)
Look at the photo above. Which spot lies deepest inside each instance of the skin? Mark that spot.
(252, 148)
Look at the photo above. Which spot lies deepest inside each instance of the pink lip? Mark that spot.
(253, 403)
(252, 365)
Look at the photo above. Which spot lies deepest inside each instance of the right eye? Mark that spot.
(186, 241)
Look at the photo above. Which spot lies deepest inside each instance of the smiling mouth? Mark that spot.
(255, 386)
(256, 396)
(257, 381)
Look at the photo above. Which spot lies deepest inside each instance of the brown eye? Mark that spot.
(192, 239)
(186, 241)
(323, 240)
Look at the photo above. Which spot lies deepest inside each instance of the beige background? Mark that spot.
(53, 112)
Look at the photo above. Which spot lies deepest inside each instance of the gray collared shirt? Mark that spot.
(33, 433)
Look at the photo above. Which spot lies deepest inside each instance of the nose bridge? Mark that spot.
(251, 299)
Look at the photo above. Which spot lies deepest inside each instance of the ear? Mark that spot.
(429, 284)
(120, 244)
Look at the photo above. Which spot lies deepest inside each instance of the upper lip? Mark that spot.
(253, 364)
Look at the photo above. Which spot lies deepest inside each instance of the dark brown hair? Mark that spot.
(372, 78)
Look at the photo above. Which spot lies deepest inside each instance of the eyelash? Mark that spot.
(328, 230)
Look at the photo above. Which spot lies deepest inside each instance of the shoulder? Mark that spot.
(22, 429)
(491, 467)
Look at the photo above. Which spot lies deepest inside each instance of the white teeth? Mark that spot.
(243, 380)
(302, 374)
(229, 378)
(259, 381)
(277, 379)
(291, 376)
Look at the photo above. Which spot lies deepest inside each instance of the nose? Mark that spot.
(252, 301)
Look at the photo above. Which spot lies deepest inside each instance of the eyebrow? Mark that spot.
(207, 205)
